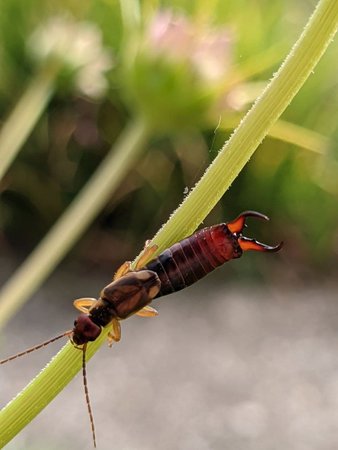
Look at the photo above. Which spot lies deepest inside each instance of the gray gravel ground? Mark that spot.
(220, 368)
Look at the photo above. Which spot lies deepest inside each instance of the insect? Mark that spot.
(133, 289)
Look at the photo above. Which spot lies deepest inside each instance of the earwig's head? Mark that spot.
(236, 228)
(85, 330)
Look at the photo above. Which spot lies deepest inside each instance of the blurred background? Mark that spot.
(248, 359)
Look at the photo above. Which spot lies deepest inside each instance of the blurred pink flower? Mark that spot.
(208, 50)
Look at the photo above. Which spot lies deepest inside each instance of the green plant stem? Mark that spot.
(237, 151)
(289, 132)
(26, 113)
(300, 136)
(235, 154)
(74, 221)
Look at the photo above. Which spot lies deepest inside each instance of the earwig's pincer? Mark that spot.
(236, 227)
(251, 244)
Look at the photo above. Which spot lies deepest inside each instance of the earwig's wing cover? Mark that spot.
(132, 292)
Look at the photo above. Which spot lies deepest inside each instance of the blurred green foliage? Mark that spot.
(185, 106)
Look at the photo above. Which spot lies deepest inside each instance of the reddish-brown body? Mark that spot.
(193, 258)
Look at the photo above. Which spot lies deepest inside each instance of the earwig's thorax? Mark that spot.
(103, 312)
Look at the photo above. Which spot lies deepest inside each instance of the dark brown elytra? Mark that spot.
(132, 290)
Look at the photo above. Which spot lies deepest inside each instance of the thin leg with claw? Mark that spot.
(147, 311)
(122, 270)
(84, 304)
(115, 334)
(146, 256)
(141, 262)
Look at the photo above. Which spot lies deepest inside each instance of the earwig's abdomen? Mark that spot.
(192, 258)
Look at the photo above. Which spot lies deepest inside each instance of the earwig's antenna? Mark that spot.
(84, 374)
(37, 347)
(85, 385)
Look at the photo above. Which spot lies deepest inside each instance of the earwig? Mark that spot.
(133, 289)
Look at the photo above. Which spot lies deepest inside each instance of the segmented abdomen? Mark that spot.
(191, 259)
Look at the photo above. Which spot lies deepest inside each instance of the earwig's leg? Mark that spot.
(116, 330)
(115, 334)
(147, 311)
(122, 270)
(84, 304)
(78, 347)
(146, 256)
